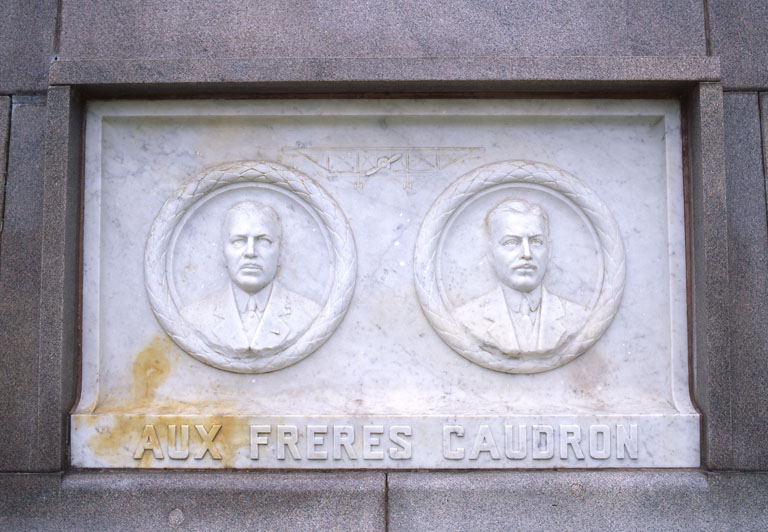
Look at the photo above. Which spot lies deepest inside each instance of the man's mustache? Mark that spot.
(250, 266)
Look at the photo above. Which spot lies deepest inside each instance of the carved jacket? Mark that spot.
(287, 315)
(487, 319)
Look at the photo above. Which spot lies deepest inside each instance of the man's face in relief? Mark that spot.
(519, 249)
(251, 248)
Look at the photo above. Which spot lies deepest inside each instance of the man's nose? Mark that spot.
(250, 250)
(526, 248)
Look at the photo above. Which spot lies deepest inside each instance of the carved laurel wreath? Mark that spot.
(344, 264)
(509, 172)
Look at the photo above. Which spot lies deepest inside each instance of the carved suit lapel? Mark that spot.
(230, 327)
(501, 331)
(274, 328)
(552, 327)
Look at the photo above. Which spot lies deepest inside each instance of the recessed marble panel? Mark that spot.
(384, 284)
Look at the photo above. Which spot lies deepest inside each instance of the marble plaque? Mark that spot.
(384, 284)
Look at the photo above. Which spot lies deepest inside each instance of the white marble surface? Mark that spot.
(384, 365)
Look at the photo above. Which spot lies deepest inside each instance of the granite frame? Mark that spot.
(695, 80)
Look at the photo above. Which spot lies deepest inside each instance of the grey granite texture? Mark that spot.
(710, 310)
(162, 29)
(357, 501)
(20, 257)
(748, 275)
(59, 301)
(452, 74)
(739, 35)
(5, 129)
(600, 500)
(204, 501)
(764, 122)
(27, 32)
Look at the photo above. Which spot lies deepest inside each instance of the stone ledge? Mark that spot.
(513, 72)
(618, 500)
(193, 501)
(445, 501)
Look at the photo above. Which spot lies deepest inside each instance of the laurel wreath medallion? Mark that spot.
(511, 172)
(343, 274)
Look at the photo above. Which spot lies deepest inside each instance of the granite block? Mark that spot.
(739, 35)
(205, 501)
(5, 127)
(491, 501)
(26, 44)
(748, 276)
(710, 309)
(20, 254)
(376, 28)
(59, 320)
(764, 125)
(579, 500)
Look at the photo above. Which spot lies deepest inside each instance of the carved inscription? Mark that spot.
(309, 442)
(332, 442)
(542, 442)
(177, 443)
(378, 442)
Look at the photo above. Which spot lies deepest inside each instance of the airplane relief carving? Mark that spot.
(250, 267)
(508, 231)
(361, 164)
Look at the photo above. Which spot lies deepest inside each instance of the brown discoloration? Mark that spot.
(117, 441)
(167, 406)
(151, 368)
(235, 433)
(113, 443)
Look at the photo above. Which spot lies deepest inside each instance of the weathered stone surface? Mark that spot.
(5, 128)
(204, 501)
(389, 74)
(20, 288)
(764, 122)
(59, 322)
(748, 276)
(739, 35)
(494, 501)
(26, 44)
(171, 30)
(674, 500)
(711, 309)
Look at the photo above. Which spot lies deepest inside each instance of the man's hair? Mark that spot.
(515, 206)
(266, 213)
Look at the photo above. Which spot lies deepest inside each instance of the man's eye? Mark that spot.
(537, 241)
(264, 241)
(238, 243)
(511, 242)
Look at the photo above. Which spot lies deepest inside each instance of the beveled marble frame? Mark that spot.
(689, 78)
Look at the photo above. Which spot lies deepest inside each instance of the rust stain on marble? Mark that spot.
(151, 368)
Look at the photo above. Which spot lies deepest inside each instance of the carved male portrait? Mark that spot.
(254, 315)
(520, 316)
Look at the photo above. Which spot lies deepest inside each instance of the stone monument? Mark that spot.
(384, 284)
